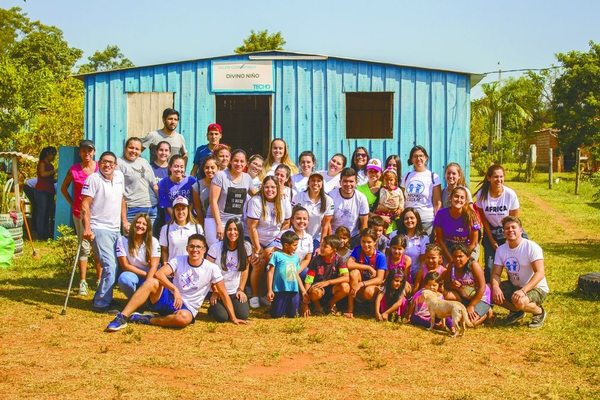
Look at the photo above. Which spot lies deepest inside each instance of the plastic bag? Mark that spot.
(7, 248)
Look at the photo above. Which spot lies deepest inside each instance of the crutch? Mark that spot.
(64, 310)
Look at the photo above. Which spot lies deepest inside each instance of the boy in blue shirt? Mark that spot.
(283, 280)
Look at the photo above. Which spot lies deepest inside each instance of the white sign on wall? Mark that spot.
(242, 76)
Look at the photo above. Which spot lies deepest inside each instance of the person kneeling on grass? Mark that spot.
(283, 278)
(527, 287)
(177, 302)
(327, 279)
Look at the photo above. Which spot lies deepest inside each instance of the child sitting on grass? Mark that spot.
(283, 279)
(433, 263)
(343, 234)
(418, 312)
(327, 279)
(391, 303)
(379, 225)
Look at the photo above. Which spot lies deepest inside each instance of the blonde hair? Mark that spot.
(276, 200)
(285, 159)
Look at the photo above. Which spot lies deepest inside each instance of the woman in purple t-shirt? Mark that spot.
(457, 224)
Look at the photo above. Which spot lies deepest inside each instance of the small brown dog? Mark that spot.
(439, 308)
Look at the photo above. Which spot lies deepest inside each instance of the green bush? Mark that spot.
(481, 162)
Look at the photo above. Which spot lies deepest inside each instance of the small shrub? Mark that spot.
(481, 162)
(67, 242)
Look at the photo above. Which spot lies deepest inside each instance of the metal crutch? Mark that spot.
(64, 310)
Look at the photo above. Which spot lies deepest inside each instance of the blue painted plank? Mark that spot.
(461, 143)
(205, 108)
(89, 108)
(288, 117)
(160, 78)
(422, 111)
(349, 76)
(319, 121)
(277, 106)
(187, 109)
(407, 112)
(336, 106)
(451, 117)
(174, 83)
(132, 80)
(67, 156)
(364, 77)
(392, 84)
(438, 116)
(101, 132)
(117, 113)
(147, 79)
(303, 137)
(377, 77)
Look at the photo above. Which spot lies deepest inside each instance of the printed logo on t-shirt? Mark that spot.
(512, 267)
(234, 203)
(345, 213)
(414, 190)
(290, 272)
(496, 210)
(187, 279)
(231, 263)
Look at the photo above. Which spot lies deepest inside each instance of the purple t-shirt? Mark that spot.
(169, 190)
(455, 229)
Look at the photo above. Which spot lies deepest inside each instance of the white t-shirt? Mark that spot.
(314, 212)
(105, 211)
(418, 188)
(139, 260)
(194, 282)
(496, 208)
(330, 182)
(361, 177)
(305, 244)
(178, 236)
(346, 211)
(518, 261)
(268, 228)
(299, 182)
(231, 276)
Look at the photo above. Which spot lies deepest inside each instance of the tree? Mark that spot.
(576, 101)
(260, 41)
(105, 60)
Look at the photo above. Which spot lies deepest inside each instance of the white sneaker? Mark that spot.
(254, 302)
(83, 288)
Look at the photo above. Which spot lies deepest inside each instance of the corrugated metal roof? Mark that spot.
(475, 78)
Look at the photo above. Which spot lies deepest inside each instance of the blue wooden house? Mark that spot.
(321, 103)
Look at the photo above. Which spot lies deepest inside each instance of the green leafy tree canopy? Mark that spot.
(261, 41)
(105, 60)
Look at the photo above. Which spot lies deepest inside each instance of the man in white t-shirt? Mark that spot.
(103, 209)
(350, 207)
(527, 287)
(177, 302)
(168, 134)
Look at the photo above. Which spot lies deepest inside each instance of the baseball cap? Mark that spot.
(87, 143)
(374, 163)
(181, 200)
(214, 127)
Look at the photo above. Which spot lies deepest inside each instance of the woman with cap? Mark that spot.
(360, 156)
(214, 133)
(44, 192)
(422, 188)
(319, 206)
(373, 184)
(227, 195)
(174, 235)
(140, 185)
(77, 175)
(175, 185)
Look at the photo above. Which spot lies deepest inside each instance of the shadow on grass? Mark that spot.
(594, 204)
(576, 249)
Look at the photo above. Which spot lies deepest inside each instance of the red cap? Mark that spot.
(214, 127)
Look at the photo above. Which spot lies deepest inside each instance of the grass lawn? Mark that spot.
(46, 355)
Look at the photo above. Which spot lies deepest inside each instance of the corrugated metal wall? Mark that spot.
(431, 108)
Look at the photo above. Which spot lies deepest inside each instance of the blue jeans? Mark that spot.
(129, 283)
(44, 202)
(104, 246)
(133, 211)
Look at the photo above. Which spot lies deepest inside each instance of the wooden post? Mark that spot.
(15, 174)
(578, 169)
(550, 169)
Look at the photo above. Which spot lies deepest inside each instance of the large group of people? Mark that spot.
(248, 231)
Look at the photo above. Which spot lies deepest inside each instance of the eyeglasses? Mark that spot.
(196, 247)
(363, 155)
(107, 162)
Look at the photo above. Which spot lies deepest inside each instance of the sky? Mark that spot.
(471, 36)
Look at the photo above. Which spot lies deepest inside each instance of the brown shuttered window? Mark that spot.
(369, 115)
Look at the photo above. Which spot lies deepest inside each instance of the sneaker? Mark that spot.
(83, 288)
(514, 317)
(118, 323)
(254, 302)
(264, 302)
(538, 320)
(138, 318)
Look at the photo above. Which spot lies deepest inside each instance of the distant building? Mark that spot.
(544, 140)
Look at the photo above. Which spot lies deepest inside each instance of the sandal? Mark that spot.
(334, 311)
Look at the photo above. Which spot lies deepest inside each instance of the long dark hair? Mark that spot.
(46, 151)
(240, 245)
(353, 163)
(392, 295)
(419, 231)
(396, 158)
(322, 194)
(483, 187)
(146, 238)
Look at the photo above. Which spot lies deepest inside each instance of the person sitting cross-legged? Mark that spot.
(177, 302)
